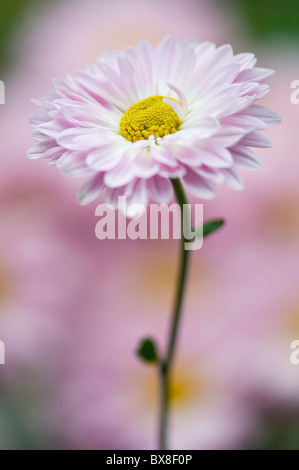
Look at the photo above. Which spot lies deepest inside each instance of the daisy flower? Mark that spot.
(138, 118)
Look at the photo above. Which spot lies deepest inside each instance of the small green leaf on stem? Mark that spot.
(212, 226)
(209, 227)
(147, 351)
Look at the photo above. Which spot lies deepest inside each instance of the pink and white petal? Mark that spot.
(254, 90)
(176, 107)
(246, 158)
(256, 139)
(213, 174)
(73, 164)
(188, 155)
(216, 157)
(163, 153)
(90, 115)
(232, 178)
(160, 189)
(38, 135)
(246, 59)
(225, 75)
(69, 88)
(178, 172)
(46, 149)
(225, 105)
(110, 57)
(198, 185)
(217, 59)
(196, 125)
(105, 157)
(39, 118)
(228, 136)
(179, 74)
(211, 155)
(112, 194)
(144, 165)
(53, 128)
(266, 115)
(203, 49)
(128, 81)
(139, 195)
(135, 192)
(91, 189)
(144, 69)
(169, 53)
(77, 138)
(104, 91)
(181, 96)
(49, 97)
(245, 123)
(121, 175)
(55, 159)
(249, 89)
(254, 75)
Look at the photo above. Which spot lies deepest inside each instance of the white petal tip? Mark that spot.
(82, 199)
(177, 108)
(32, 156)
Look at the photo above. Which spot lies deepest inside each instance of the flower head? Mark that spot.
(137, 118)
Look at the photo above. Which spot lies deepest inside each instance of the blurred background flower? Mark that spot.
(73, 308)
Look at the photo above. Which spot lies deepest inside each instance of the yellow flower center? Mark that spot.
(149, 117)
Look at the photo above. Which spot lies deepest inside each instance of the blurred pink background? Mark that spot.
(73, 309)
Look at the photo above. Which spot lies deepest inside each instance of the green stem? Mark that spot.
(166, 365)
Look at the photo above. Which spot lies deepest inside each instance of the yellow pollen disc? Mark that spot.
(149, 117)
